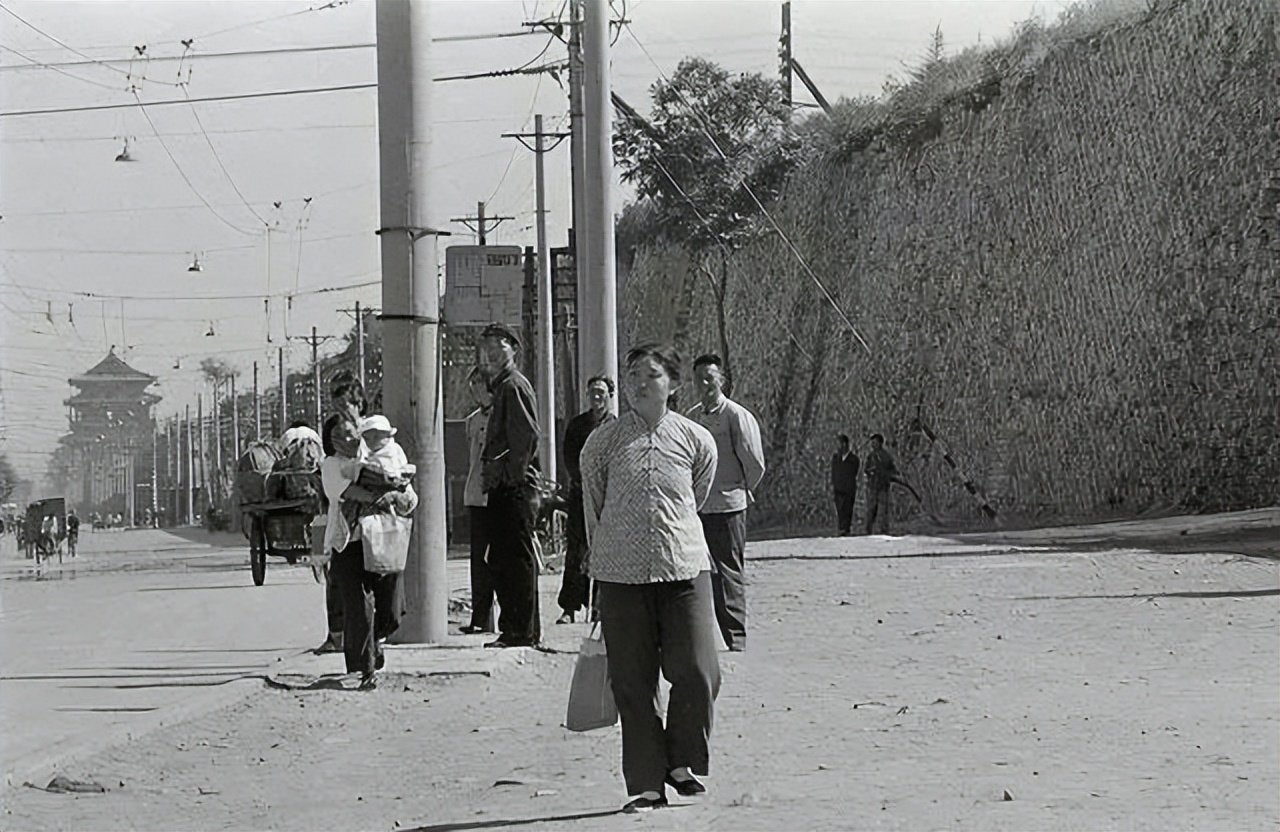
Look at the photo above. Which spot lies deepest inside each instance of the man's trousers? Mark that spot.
(513, 564)
(726, 536)
(844, 511)
(370, 607)
(481, 576)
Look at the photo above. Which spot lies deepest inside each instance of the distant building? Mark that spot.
(111, 441)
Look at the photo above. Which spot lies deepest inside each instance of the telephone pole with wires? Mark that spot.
(546, 348)
(482, 223)
(359, 314)
(314, 341)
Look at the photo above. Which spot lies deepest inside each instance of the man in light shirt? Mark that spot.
(739, 469)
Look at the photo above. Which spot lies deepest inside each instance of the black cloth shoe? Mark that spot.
(567, 618)
(472, 629)
(511, 641)
(368, 682)
(687, 788)
(644, 804)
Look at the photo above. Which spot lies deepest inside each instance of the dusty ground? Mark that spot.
(896, 684)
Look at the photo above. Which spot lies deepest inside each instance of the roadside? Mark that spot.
(896, 683)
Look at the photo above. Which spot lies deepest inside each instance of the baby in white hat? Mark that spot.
(385, 454)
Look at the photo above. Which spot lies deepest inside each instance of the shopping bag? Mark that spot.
(591, 702)
(386, 542)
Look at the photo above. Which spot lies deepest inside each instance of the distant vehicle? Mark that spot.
(45, 528)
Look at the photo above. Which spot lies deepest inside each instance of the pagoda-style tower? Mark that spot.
(112, 432)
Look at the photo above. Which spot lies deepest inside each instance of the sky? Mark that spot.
(277, 197)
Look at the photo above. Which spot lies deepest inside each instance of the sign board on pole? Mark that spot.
(483, 284)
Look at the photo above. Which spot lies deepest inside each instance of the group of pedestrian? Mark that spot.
(880, 472)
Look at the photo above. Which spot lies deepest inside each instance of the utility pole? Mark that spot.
(481, 226)
(784, 53)
(577, 167)
(191, 474)
(412, 390)
(546, 355)
(284, 394)
(359, 312)
(155, 479)
(217, 439)
(597, 298)
(257, 407)
(315, 341)
(235, 420)
(204, 455)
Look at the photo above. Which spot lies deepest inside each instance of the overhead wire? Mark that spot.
(201, 100)
(218, 158)
(183, 173)
(36, 63)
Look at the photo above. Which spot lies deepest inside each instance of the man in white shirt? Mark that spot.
(739, 469)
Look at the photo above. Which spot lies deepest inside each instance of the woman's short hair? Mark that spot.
(605, 380)
(664, 354)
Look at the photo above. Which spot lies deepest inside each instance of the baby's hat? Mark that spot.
(378, 423)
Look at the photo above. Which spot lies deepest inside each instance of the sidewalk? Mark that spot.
(1040, 680)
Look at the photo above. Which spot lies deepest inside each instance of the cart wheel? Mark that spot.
(258, 552)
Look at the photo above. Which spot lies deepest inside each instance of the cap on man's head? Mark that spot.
(378, 423)
(877, 437)
(506, 333)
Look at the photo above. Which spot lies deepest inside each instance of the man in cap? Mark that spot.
(508, 476)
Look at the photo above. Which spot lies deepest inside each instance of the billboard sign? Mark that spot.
(483, 284)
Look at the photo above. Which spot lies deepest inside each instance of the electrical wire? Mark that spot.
(37, 64)
(202, 298)
(217, 158)
(183, 173)
(75, 51)
(170, 102)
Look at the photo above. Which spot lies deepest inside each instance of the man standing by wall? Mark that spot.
(508, 476)
(881, 473)
(477, 503)
(739, 469)
(574, 584)
(844, 483)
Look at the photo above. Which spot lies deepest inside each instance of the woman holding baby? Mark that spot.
(368, 473)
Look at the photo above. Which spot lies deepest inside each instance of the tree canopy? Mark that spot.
(711, 133)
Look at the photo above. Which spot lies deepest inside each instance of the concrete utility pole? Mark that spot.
(204, 450)
(235, 420)
(481, 221)
(191, 474)
(155, 479)
(577, 143)
(257, 407)
(315, 341)
(284, 395)
(597, 297)
(546, 348)
(412, 392)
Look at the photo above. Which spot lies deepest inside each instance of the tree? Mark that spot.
(8, 478)
(717, 147)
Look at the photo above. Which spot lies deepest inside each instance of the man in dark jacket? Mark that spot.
(844, 483)
(508, 479)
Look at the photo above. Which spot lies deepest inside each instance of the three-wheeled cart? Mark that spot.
(280, 528)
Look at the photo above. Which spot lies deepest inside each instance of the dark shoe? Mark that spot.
(644, 803)
(511, 641)
(472, 629)
(368, 682)
(687, 788)
(567, 618)
(380, 661)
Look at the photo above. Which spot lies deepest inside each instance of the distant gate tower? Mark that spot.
(111, 436)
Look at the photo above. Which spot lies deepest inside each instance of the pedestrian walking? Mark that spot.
(371, 612)
(73, 532)
(477, 503)
(724, 515)
(575, 582)
(644, 477)
(508, 476)
(881, 472)
(349, 406)
(844, 483)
